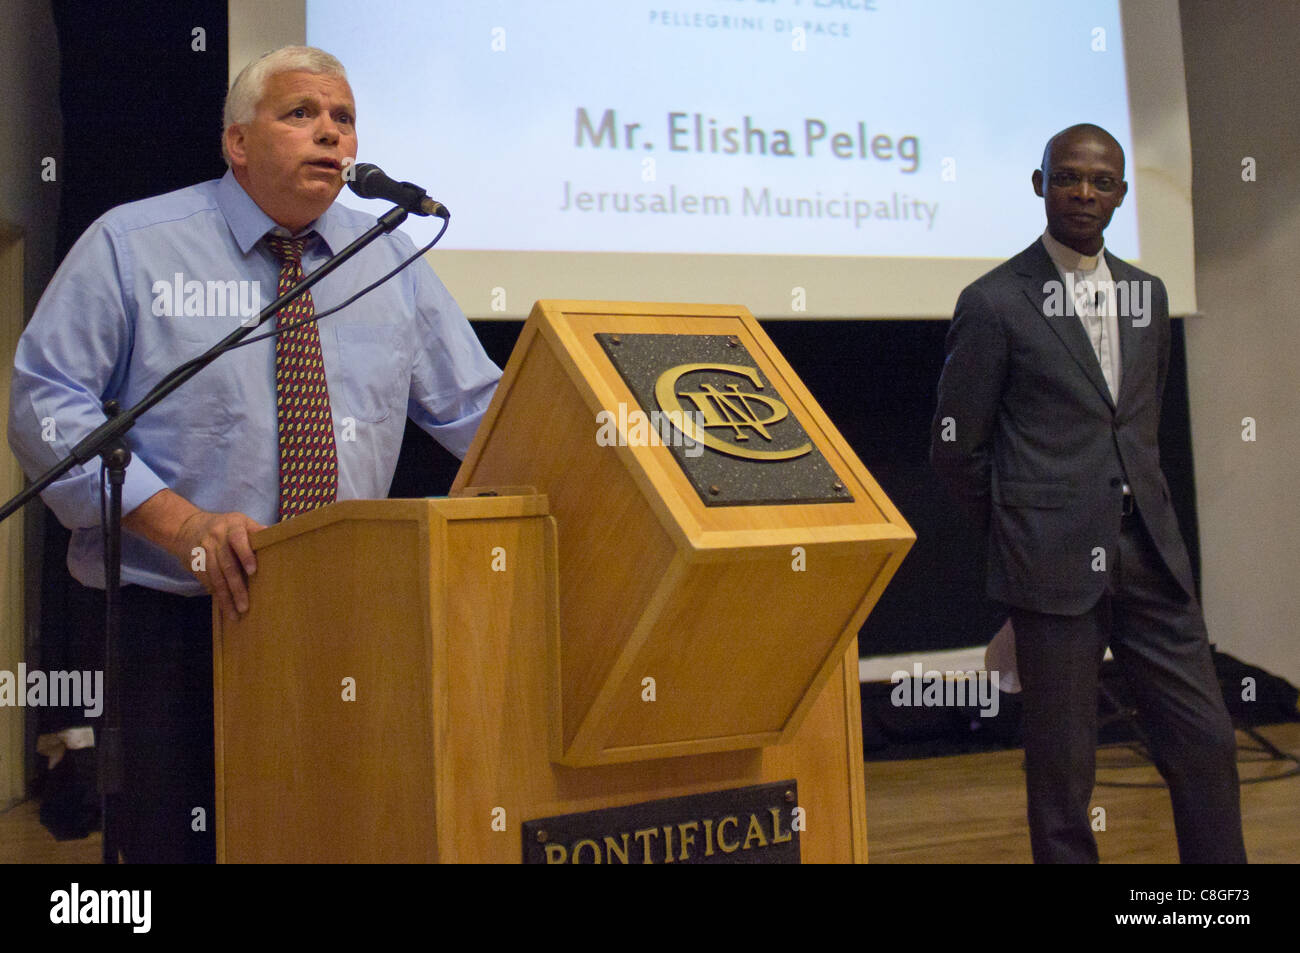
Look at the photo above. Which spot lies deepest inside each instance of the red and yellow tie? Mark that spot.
(309, 466)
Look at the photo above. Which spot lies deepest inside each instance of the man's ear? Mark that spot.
(234, 141)
(1037, 179)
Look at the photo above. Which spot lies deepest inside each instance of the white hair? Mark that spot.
(250, 85)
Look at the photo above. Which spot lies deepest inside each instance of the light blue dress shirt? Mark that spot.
(111, 324)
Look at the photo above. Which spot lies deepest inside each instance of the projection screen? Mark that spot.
(805, 158)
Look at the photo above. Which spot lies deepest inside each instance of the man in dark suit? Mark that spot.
(1046, 433)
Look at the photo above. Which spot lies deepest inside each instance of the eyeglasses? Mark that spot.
(1068, 180)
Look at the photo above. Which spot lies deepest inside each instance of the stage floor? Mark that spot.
(961, 809)
(970, 809)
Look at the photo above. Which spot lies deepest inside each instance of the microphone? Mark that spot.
(369, 181)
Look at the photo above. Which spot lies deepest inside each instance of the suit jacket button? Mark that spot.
(1114, 481)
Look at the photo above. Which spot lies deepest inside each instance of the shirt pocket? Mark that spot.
(372, 370)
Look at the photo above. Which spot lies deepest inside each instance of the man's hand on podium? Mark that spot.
(214, 547)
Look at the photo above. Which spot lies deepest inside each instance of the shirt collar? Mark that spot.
(1067, 259)
(249, 224)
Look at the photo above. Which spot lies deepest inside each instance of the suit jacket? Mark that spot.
(1029, 442)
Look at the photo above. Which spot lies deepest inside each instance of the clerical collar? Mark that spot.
(1067, 259)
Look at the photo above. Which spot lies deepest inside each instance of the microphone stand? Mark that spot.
(106, 442)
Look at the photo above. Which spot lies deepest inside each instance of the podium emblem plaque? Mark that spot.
(741, 446)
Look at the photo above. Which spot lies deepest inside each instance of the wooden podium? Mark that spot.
(603, 615)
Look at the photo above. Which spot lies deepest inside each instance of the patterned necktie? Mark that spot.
(309, 466)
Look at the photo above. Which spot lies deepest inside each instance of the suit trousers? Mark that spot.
(1157, 635)
(168, 766)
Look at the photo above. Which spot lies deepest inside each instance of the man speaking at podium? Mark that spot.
(1046, 431)
(265, 433)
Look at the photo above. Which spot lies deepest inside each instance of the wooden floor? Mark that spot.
(963, 809)
(970, 809)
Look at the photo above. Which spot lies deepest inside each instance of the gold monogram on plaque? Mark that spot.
(738, 416)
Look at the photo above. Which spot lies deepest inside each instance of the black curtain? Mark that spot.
(141, 94)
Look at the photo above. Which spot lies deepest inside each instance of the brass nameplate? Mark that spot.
(705, 398)
(752, 825)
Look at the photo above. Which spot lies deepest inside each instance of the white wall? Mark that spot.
(1243, 91)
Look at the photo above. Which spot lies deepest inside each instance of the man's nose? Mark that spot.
(327, 131)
